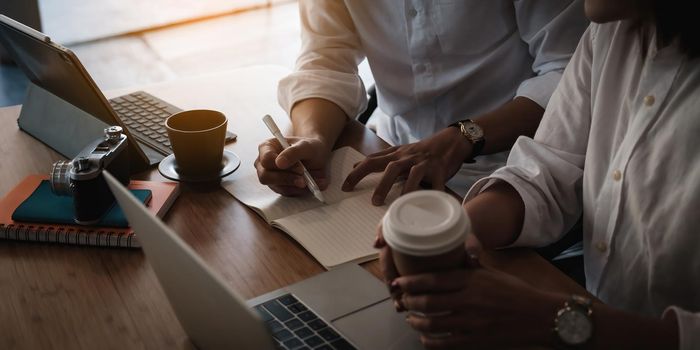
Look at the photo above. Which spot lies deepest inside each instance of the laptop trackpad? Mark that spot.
(378, 327)
(340, 291)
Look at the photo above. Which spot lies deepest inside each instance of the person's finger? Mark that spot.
(386, 264)
(415, 176)
(435, 302)
(298, 151)
(268, 152)
(321, 177)
(448, 281)
(278, 178)
(383, 152)
(366, 167)
(290, 191)
(379, 241)
(445, 322)
(281, 178)
(393, 170)
(474, 249)
(438, 178)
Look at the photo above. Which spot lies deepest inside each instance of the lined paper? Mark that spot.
(272, 206)
(337, 233)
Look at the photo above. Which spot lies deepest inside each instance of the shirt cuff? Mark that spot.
(527, 236)
(344, 89)
(688, 327)
(540, 88)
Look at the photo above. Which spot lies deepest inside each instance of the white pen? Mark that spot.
(283, 141)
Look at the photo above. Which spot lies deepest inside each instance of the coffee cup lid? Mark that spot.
(425, 223)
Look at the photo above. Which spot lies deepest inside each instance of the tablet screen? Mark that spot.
(58, 71)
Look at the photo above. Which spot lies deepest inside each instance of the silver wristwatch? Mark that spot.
(573, 324)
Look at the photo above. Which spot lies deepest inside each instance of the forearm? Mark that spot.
(612, 328)
(504, 125)
(318, 118)
(501, 227)
(616, 329)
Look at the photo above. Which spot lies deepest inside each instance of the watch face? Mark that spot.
(574, 327)
(474, 131)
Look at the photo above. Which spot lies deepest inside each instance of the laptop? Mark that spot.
(58, 70)
(345, 308)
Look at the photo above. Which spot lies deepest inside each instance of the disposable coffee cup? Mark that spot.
(425, 231)
(197, 138)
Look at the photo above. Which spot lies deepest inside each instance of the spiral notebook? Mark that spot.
(163, 194)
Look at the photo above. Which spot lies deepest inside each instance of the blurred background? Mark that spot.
(128, 43)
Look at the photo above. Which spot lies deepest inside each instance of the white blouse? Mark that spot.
(620, 144)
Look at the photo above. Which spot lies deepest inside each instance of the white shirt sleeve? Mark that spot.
(327, 64)
(548, 31)
(547, 172)
(688, 328)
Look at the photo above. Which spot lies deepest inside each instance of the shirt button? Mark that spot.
(601, 246)
(617, 175)
(649, 100)
(412, 12)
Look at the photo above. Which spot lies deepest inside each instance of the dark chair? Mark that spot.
(371, 105)
(567, 253)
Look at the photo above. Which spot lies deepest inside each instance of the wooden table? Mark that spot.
(65, 297)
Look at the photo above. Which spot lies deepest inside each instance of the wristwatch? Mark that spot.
(573, 325)
(475, 134)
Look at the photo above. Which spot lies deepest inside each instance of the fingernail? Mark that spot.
(299, 182)
(376, 244)
(377, 200)
(394, 288)
(379, 242)
(473, 260)
(398, 307)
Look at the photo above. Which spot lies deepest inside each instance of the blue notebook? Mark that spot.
(45, 207)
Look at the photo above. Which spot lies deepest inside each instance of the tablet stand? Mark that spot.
(57, 123)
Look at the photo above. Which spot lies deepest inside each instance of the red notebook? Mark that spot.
(163, 196)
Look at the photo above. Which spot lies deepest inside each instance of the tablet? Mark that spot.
(58, 70)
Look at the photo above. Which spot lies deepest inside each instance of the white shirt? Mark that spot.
(434, 61)
(635, 124)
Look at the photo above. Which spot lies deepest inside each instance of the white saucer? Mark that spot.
(168, 168)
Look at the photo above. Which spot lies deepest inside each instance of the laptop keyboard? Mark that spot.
(294, 326)
(144, 116)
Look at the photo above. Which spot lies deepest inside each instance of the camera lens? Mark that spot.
(60, 181)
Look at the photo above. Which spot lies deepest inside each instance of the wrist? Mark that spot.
(474, 134)
(545, 314)
(463, 146)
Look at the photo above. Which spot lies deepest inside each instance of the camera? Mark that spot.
(82, 176)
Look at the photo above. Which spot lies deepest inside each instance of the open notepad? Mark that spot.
(340, 231)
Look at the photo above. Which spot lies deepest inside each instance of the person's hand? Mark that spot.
(486, 309)
(434, 160)
(386, 262)
(279, 169)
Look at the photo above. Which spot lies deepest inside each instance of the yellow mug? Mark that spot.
(197, 138)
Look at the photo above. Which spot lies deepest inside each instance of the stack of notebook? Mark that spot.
(31, 212)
